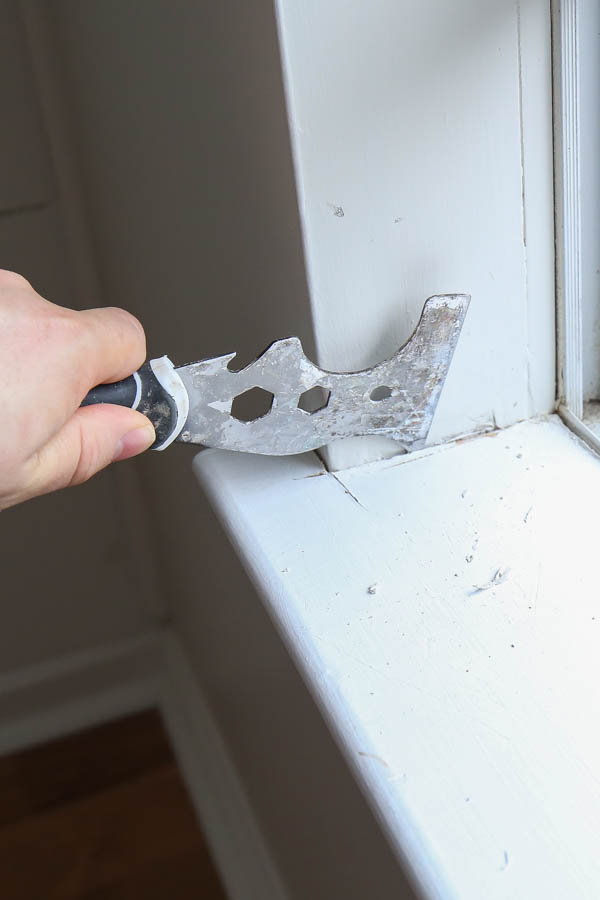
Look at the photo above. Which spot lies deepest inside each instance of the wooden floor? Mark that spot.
(102, 815)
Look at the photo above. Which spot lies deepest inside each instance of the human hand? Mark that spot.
(50, 357)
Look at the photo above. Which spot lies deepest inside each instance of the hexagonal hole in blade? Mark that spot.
(253, 404)
(314, 399)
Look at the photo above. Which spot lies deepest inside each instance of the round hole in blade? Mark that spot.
(383, 392)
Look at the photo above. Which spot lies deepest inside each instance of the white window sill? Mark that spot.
(466, 707)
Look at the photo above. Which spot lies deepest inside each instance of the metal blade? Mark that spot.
(396, 398)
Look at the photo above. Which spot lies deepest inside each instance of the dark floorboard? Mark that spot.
(101, 815)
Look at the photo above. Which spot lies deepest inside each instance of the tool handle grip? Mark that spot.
(156, 390)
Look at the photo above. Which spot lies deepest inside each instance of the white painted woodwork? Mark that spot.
(589, 149)
(239, 848)
(422, 141)
(577, 143)
(74, 691)
(447, 622)
(568, 204)
(586, 428)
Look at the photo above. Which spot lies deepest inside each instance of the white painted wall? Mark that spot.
(423, 153)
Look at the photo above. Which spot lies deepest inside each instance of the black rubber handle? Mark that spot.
(154, 401)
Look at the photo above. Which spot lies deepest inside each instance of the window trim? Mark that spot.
(566, 22)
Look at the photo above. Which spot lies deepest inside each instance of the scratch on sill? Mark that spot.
(347, 491)
(373, 756)
(399, 777)
(537, 589)
(352, 656)
(498, 578)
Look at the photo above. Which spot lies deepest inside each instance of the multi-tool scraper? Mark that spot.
(307, 406)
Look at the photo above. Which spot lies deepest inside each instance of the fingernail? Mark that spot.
(134, 442)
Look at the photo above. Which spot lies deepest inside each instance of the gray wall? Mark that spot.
(69, 581)
(181, 142)
(188, 180)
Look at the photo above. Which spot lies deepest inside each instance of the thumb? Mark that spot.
(92, 438)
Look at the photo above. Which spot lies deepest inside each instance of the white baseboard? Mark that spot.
(234, 835)
(55, 698)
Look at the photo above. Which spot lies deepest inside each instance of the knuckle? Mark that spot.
(115, 323)
(60, 326)
(128, 321)
(9, 279)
